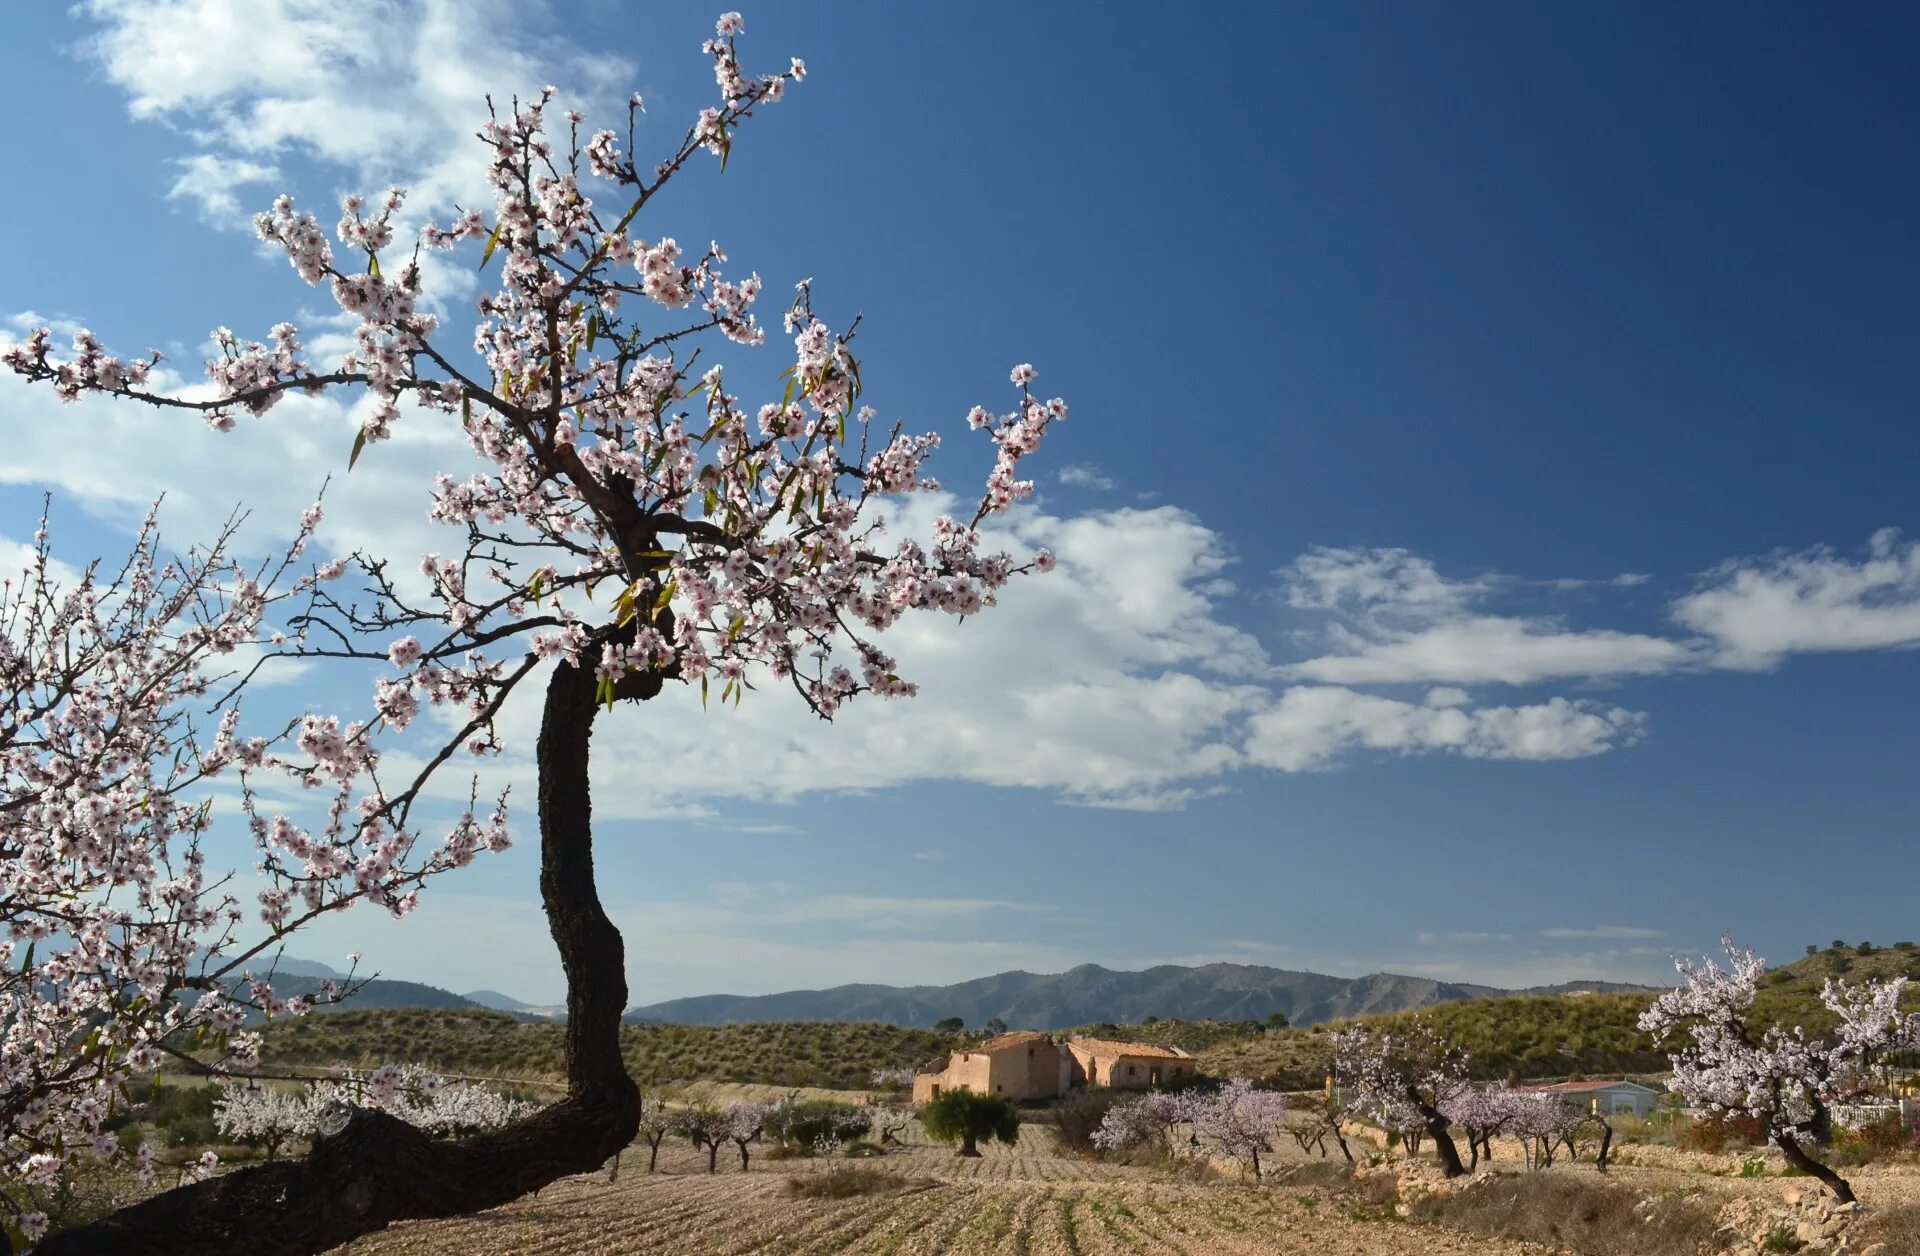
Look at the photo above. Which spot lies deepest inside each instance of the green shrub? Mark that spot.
(960, 1116)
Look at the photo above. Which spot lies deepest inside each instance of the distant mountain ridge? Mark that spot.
(1090, 994)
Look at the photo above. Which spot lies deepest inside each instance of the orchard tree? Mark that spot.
(1239, 1119)
(747, 1121)
(654, 1126)
(707, 1128)
(637, 523)
(961, 1116)
(1403, 1079)
(1143, 1120)
(1730, 1061)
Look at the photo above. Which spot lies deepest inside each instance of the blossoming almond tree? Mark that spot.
(124, 949)
(1786, 1079)
(726, 546)
(1405, 1079)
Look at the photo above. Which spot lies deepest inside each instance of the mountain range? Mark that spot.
(1085, 995)
(1091, 994)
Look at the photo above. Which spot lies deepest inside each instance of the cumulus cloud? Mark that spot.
(1398, 620)
(1310, 725)
(1758, 611)
(384, 90)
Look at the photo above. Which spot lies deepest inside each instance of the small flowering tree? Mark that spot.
(1403, 1079)
(1146, 1120)
(654, 1126)
(1787, 1080)
(746, 1122)
(1239, 1120)
(706, 1127)
(255, 1113)
(271, 1118)
(732, 547)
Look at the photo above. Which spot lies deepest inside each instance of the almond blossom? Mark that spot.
(629, 520)
(1730, 1061)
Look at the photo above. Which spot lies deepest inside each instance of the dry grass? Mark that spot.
(1584, 1213)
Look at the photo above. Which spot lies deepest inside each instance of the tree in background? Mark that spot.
(1403, 1079)
(950, 1024)
(964, 1117)
(995, 1026)
(654, 1126)
(1787, 1080)
(707, 1128)
(731, 546)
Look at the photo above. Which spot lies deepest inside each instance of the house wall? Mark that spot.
(1093, 1070)
(1624, 1101)
(1021, 1072)
(1140, 1072)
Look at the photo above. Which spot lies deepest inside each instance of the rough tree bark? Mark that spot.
(378, 1169)
(1797, 1157)
(1437, 1130)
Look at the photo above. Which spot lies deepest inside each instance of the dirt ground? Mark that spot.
(1022, 1199)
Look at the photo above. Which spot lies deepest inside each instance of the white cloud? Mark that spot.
(1085, 475)
(1467, 937)
(1399, 621)
(1311, 725)
(1760, 610)
(387, 91)
(213, 182)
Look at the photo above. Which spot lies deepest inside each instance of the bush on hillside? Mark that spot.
(805, 1123)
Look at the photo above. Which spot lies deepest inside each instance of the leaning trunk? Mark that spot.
(378, 1169)
(969, 1146)
(1442, 1140)
(1606, 1142)
(1797, 1157)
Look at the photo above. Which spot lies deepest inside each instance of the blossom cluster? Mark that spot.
(1783, 1078)
(1238, 1120)
(121, 947)
(249, 1111)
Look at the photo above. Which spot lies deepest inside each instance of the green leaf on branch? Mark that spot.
(466, 410)
(493, 242)
(373, 265)
(359, 443)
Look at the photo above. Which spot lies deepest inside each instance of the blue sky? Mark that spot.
(1487, 424)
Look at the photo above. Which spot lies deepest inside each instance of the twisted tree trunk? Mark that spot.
(378, 1169)
(1797, 1157)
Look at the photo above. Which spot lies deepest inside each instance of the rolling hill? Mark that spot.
(1092, 994)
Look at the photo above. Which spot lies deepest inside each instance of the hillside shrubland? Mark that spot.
(834, 1056)
(1527, 1036)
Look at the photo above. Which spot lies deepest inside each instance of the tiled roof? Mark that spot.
(1562, 1088)
(1103, 1049)
(1006, 1042)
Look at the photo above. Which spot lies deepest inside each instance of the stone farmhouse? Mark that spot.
(1028, 1066)
(1603, 1097)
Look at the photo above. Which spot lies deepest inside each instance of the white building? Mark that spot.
(1608, 1098)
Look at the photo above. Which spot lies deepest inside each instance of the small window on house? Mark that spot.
(1129, 1070)
(1000, 1089)
(1153, 1077)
